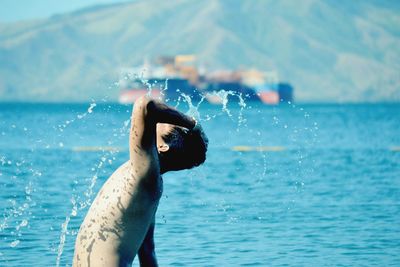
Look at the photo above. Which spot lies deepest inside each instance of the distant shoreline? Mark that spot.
(102, 103)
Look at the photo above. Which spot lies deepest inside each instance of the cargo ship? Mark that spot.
(232, 85)
(166, 80)
(170, 77)
(132, 90)
(268, 87)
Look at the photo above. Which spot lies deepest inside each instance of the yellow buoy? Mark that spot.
(258, 148)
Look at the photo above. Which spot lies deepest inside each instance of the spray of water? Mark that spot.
(17, 217)
(88, 194)
(222, 97)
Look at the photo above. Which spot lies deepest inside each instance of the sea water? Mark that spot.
(289, 185)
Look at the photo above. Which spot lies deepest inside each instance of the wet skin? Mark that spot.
(120, 223)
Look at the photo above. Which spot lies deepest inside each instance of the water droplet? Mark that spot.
(14, 243)
(74, 212)
(92, 106)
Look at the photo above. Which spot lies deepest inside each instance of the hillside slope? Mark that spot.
(329, 50)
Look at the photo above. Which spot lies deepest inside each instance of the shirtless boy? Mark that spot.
(120, 222)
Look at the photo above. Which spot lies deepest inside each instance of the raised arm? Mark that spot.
(166, 114)
(146, 114)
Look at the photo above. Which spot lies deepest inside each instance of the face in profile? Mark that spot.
(180, 148)
(163, 130)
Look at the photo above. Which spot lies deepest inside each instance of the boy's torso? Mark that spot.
(118, 219)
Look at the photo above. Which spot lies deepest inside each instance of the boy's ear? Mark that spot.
(163, 148)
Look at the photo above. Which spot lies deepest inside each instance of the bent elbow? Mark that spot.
(144, 106)
(142, 101)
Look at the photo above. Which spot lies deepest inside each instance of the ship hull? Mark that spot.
(269, 97)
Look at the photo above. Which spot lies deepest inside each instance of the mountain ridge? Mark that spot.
(330, 52)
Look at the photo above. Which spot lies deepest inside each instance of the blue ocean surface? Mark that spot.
(291, 185)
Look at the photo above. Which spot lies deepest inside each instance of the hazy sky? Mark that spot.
(14, 10)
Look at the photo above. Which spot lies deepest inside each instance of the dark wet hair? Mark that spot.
(187, 148)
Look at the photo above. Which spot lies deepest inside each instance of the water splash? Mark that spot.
(60, 250)
(89, 111)
(79, 204)
(193, 110)
(17, 209)
(14, 243)
(62, 127)
(91, 107)
(222, 97)
(242, 105)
